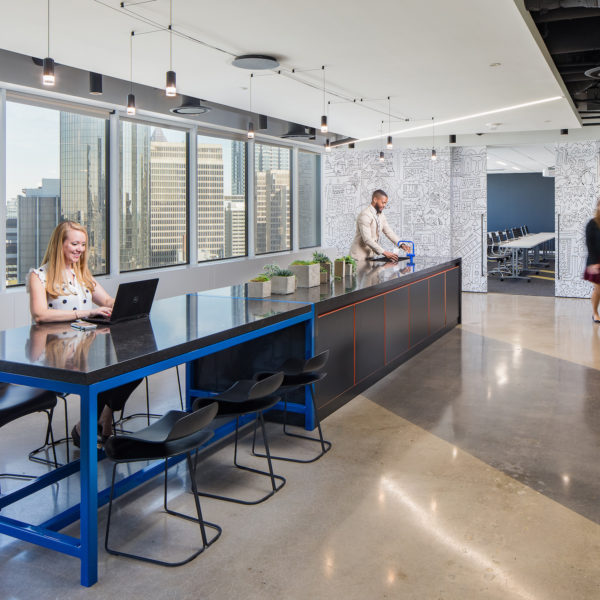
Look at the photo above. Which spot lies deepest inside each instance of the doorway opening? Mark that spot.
(520, 219)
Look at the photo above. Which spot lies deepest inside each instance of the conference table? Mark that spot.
(531, 241)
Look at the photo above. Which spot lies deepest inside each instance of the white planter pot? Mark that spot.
(306, 275)
(283, 285)
(259, 289)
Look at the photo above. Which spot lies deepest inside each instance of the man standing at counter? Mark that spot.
(369, 225)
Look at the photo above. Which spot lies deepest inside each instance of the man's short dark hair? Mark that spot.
(378, 194)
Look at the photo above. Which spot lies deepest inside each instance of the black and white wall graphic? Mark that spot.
(436, 204)
(577, 189)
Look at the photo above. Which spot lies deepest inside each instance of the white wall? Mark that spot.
(437, 204)
(576, 192)
(174, 281)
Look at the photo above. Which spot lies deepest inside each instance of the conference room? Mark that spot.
(291, 421)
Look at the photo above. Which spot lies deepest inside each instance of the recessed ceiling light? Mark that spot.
(495, 64)
(255, 62)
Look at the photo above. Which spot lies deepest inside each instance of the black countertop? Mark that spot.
(176, 325)
(372, 277)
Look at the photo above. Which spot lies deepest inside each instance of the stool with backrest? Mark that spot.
(176, 433)
(17, 401)
(245, 397)
(300, 374)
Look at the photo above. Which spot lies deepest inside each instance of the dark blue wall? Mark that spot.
(520, 199)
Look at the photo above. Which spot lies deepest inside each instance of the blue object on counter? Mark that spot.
(411, 254)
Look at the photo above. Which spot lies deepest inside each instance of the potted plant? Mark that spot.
(282, 280)
(259, 287)
(307, 273)
(325, 265)
(340, 267)
(350, 265)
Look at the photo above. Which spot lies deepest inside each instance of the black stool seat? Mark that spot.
(299, 373)
(174, 434)
(246, 397)
(17, 401)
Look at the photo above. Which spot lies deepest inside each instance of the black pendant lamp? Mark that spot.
(95, 84)
(130, 96)
(171, 86)
(324, 128)
(48, 64)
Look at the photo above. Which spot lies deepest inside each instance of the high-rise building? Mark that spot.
(135, 196)
(168, 192)
(272, 210)
(38, 213)
(238, 168)
(83, 180)
(211, 217)
(235, 225)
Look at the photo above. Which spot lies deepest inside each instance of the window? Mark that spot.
(55, 171)
(153, 210)
(221, 198)
(309, 199)
(272, 195)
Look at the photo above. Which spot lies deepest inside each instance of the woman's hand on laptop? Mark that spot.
(101, 311)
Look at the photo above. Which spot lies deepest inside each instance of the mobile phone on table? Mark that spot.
(83, 325)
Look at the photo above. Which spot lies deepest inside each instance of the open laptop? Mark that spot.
(133, 301)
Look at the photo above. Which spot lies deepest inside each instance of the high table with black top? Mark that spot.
(371, 322)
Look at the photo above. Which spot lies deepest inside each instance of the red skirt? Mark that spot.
(593, 277)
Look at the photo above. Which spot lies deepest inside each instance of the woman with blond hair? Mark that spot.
(63, 289)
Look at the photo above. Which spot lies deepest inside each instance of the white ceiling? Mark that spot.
(531, 158)
(432, 57)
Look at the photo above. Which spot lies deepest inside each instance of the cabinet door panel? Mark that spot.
(370, 337)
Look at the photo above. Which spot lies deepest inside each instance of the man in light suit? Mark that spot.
(370, 223)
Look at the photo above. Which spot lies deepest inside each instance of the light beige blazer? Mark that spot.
(366, 239)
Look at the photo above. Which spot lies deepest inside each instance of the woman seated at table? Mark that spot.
(63, 289)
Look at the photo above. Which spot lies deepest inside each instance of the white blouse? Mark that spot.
(76, 297)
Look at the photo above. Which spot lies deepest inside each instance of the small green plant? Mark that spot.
(321, 258)
(303, 262)
(341, 259)
(276, 271)
(323, 269)
(261, 278)
(349, 261)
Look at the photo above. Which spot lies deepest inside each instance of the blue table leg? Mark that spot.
(309, 350)
(89, 487)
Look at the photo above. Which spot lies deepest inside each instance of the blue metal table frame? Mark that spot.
(48, 534)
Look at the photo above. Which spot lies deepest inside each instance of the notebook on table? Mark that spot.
(133, 301)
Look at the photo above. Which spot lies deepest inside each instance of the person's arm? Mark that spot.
(591, 239)
(101, 297)
(364, 227)
(38, 306)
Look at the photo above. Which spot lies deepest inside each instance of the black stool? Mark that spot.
(17, 401)
(242, 398)
(298, 374)
(176, 433)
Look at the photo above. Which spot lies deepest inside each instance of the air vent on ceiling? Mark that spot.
(300, 132)
(190, 106)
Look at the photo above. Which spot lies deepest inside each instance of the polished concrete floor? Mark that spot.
(469, 472)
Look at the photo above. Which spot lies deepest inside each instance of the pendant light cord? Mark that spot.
(389, 115)
(250, 89)
(131, 61)
(433, 133)
(48, 29)
(324, 104)
(170, 35)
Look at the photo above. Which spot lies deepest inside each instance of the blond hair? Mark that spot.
(54, 260)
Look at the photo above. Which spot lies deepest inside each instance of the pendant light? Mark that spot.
(324, 128)
(96, 84)
(48, 64)
(381, 154)
(250, 124)
(327, 146)
(433, 152)
(171, 87)
(130, 96)
(390, 145)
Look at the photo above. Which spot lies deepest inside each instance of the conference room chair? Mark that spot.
(299, 374)
(498, 256)
(18, 401)
(176, 433)
(246, 397)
